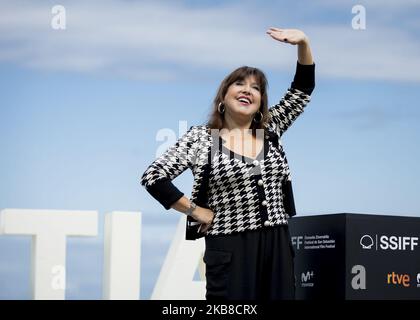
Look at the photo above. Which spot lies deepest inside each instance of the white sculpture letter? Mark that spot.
(175, 280)
(122, 256)
(49, 229)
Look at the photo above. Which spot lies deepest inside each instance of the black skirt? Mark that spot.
(250, 265)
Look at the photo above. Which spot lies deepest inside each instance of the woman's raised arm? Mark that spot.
(297, 96)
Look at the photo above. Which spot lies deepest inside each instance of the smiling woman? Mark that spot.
(242, 196)
(249, 85)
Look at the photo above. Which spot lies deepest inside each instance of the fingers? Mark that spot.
(275, 29)
(278, 34)
(279, 38)
(203, 227)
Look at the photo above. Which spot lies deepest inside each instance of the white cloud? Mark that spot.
(162, 41)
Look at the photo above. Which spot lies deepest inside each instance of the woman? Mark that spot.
(242, 197)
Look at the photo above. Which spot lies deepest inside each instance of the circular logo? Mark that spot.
(366, 242)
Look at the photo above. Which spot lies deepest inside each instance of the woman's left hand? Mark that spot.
(292, 36)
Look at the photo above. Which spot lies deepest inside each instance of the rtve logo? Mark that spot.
(398, 279)
(389, 242)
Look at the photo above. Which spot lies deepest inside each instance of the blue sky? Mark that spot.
(80, 110)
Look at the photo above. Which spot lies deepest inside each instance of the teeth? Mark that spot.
(244, 100)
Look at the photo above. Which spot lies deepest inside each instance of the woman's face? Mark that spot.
(243, 98)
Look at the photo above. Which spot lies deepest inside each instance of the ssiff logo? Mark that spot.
(297, 241)
(366, 242)
(399, 243)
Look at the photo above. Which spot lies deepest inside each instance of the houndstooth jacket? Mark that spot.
(243, 193)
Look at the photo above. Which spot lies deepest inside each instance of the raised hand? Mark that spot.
(292, 36)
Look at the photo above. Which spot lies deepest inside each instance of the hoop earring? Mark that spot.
(218, 108)
(261, 117)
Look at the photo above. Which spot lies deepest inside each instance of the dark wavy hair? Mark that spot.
(216, 120)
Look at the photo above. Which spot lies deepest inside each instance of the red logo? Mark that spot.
(398, 279)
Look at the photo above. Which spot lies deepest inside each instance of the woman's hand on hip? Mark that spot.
(205, 216)
(292, 36)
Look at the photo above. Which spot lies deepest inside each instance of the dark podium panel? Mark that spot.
(356, 256)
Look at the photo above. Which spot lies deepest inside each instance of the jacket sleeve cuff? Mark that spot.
(304, 78)
(165, 192)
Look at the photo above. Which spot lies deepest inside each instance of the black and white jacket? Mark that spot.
(244, 194)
